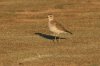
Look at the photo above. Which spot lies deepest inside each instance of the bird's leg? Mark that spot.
(55, 38)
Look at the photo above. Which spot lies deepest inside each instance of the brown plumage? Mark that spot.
(56, 27)
(59, 26)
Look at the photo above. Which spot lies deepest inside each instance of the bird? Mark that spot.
(56, 27)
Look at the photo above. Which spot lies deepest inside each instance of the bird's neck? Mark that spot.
(50, 20)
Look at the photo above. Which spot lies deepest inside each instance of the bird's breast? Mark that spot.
(54, 29)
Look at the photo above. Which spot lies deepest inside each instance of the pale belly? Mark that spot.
(54, 29)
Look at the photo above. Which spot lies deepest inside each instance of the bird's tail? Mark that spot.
(68, 32)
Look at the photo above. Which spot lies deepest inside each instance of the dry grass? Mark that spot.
(21, 19)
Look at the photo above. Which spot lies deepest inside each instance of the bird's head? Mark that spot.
(50, 17)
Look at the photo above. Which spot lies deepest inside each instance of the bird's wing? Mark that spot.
(61, 27)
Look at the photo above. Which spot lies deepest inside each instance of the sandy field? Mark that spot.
(25, 39)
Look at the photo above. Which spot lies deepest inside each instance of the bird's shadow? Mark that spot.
(50, 37)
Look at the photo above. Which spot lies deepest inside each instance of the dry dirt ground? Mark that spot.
(25, 39)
